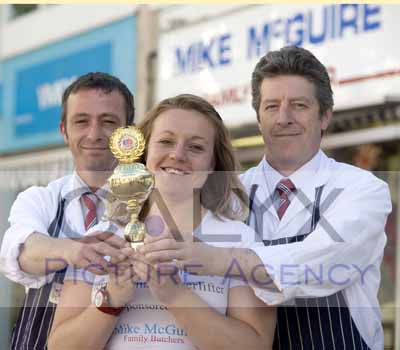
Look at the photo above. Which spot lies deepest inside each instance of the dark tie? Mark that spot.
(90, 201)
(284, 188)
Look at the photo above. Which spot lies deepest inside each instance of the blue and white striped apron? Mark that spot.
(311, 323)
(34, 321)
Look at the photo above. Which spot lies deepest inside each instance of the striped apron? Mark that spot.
(321, 323)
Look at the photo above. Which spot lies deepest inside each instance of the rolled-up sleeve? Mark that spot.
(320, 265)
(31, 212)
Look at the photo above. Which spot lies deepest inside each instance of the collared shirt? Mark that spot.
(78, 183)
(33, 211)
(343, 252)
(300, 177)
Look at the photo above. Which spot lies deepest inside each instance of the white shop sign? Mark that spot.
(214, 58)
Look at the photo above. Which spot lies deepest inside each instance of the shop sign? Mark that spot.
(215, 58)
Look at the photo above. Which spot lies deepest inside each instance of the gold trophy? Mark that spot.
(130, 182)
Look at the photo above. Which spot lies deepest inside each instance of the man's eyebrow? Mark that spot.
(102, 115)
(108, 114)
(269, 100)
(77, 115)
(301, 98)
(296, 98)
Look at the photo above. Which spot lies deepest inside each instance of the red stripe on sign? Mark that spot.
(368, 77)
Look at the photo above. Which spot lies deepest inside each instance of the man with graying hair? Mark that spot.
(48, 224)
(324, 227)
(321, 222)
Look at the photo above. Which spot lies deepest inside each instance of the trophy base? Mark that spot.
(135, 245)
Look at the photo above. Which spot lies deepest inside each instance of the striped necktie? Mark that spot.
(90, 201)
(284, 188)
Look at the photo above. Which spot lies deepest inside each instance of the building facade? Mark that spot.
(162, 50)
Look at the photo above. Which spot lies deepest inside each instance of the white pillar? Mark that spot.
(147, 29)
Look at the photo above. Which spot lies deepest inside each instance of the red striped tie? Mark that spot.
(284, 188)
(90, 201)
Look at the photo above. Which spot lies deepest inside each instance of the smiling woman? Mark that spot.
(188, 148)
(192, 133)
(181, 152)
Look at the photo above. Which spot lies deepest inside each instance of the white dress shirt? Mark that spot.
(33, 211)
(345, 250)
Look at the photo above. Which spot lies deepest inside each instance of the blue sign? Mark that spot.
(33, 83)
(39, 88)
(1, 101)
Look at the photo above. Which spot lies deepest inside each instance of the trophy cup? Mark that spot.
(130, 182)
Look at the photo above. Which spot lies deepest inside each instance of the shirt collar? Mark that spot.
(78, 186)
(300, 178)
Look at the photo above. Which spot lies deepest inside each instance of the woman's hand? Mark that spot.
(163, 280)
(191, 254)
(122, 279)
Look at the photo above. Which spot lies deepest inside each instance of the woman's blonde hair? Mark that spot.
(223, 192)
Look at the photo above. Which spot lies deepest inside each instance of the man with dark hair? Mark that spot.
(321, 222)
(48, 224)
(106, 83)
